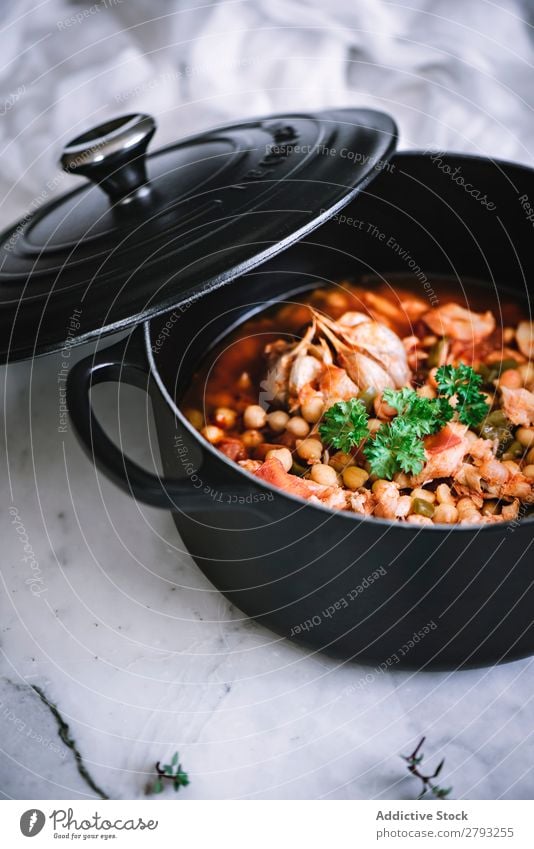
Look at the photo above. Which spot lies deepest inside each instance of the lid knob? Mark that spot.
(112, 155)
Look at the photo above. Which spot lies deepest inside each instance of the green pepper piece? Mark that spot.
(506, 365)
(367, 396)
(422, 507)
(436, 352)
(497, 419)
(502, 434)
(516, 449)
(490, 373)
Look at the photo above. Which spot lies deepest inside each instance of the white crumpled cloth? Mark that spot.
(255, 716)
(454, 74)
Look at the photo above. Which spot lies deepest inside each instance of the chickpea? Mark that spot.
(254, 416)
(298, 427)
(340, 461)
(466, 503)
(402, 480)
(277, 421)
(528, 471)
(424, 494)
(530, 457)
(212, 433)
(312, 410)
(281, 454)
(525, 435)
(260, 452)
(195, 418)
(382, 409)
(244, 381)
(326, 475)
(373, 425)
(309, 450)
(381, 485)
(526, 370)
(511, 378)
(445, 514)
(417, 519)
(426, 391)
(404, 505)
(466, 509)
(251, 438)
(443, 494)
(225, 417)
(354, 477)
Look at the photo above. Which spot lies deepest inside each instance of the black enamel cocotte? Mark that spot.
(358, 588)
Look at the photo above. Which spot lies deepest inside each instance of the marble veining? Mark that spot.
(141, 656)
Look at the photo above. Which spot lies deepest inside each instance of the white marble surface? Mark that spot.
(142, 657)
(138, 652)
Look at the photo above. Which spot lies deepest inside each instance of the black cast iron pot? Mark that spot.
(360, 588)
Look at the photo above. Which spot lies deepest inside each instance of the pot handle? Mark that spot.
(124, 362)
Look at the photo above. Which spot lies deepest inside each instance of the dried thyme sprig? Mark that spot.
(170, 772)
(414, 761)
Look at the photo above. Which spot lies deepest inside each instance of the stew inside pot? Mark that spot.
(373, 400)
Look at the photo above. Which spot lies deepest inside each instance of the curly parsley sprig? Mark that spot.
(345, 424)
(464, 383)
(425, 415)
(172, 772)
(398, 446)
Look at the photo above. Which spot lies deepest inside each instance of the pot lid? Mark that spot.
(149, 232)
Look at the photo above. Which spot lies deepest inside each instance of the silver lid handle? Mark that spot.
(112, 155)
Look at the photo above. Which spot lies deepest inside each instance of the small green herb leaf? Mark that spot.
(441, 792)
(425, 415)
(414, 762)
(181, 780)
(344, 424)
(463, 382)
(173, 772)
(396, 447)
